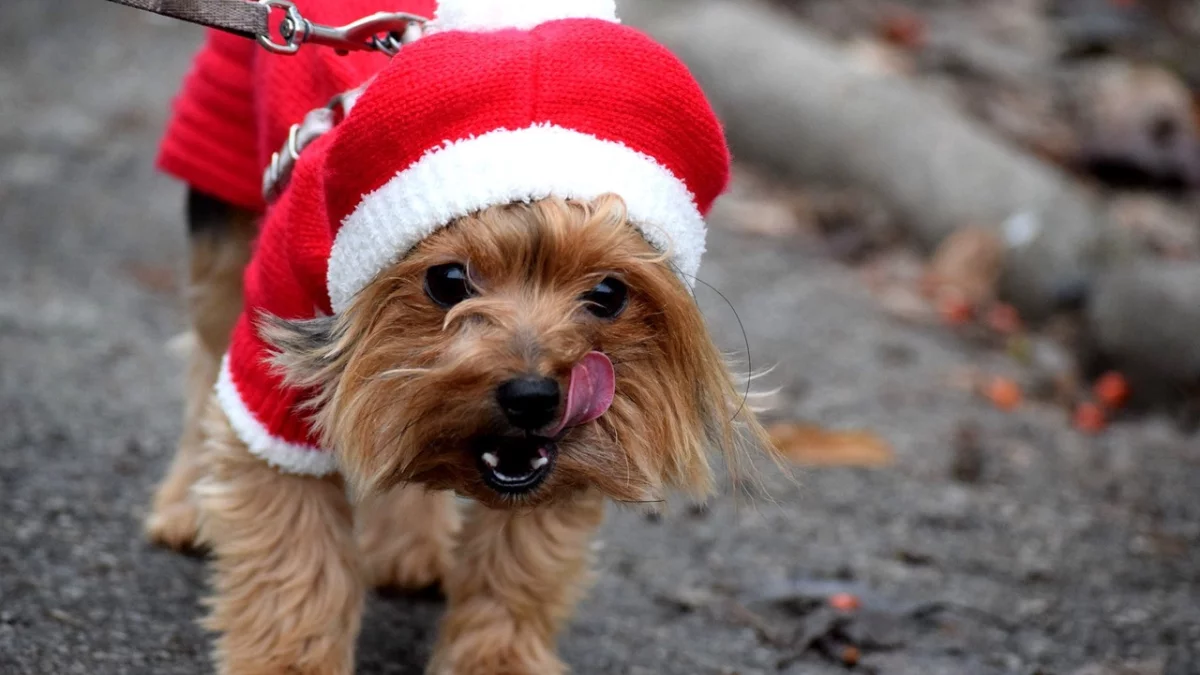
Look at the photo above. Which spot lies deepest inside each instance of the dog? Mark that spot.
(474, 286)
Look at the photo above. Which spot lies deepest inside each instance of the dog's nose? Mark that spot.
(529, 402)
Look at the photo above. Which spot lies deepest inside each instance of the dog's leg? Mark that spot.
(517, 577)
(407, 537)
(289, 589)
(219, 242)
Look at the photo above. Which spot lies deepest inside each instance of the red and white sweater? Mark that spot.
(502, 101)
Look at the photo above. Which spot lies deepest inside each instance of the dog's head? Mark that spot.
(521, 354)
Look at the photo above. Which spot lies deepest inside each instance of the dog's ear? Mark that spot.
(721, 401)
(308, 353)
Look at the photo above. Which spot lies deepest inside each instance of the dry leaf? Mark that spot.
(1004, 393)
(1089, 418)
(904, 29)
(905, 304)
(968, 263)
(878, 58)
(1112, 390)
(814, 446)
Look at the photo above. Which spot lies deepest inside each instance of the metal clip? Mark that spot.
(315, 124)
(384, 32)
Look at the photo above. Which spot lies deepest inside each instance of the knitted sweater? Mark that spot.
(235, 109)
(504, 101)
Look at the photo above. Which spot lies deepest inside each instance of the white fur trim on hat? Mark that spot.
(288, 457)
(487, 15)
(503, 167)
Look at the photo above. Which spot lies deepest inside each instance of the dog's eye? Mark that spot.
(448, 285)
(608, 299)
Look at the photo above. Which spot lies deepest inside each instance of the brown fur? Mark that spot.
(404, 386)
(407, 537)
(219, 255)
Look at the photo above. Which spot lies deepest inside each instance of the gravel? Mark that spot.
(1067, 551)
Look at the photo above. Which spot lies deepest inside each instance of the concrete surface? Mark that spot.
(1070, 551)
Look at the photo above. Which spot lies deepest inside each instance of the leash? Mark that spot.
(384, 32)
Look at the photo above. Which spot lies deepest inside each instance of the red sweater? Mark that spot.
(235, 109)
(503, 101)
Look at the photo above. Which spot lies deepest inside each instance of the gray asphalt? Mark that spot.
(1070, 551)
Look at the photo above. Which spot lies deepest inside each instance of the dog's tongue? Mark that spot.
(590, 393)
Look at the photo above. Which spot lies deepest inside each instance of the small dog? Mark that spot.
(504, 316)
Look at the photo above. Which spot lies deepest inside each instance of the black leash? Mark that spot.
(240, 17)
(383, 32)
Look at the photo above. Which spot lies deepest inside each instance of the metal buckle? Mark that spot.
(384, 32)
(287, 30)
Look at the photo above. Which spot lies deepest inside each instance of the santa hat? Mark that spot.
(512, 101)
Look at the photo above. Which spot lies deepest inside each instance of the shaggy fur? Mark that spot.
(403, 388)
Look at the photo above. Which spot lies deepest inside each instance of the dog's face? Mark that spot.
(520, 355)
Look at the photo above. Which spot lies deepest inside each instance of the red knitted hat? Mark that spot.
(502, 101)
(516, 100)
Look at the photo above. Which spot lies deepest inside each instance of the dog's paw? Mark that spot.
(507, 664)
(175, 526)
(405, 563)
(479, 642)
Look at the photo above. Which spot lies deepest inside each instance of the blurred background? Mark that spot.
(964, 233)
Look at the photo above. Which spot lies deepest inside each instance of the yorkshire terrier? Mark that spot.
(536, 355)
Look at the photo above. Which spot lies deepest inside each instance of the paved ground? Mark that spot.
(1070, 551)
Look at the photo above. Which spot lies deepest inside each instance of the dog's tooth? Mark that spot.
(491, 459)
(540, 462)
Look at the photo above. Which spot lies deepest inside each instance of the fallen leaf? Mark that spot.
(1112, 390)
(851, 656)
(873, 57)
(954, 309)
(1004, 319)
(1089, 418)
(904, 29)
(845, 602)
(1004, 393)
(905, 304)
(814, 446)
(968, 263)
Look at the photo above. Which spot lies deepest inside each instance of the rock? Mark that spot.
(1138, 126)
(1145, 318)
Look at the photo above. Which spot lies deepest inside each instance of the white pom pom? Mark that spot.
(489, 15)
